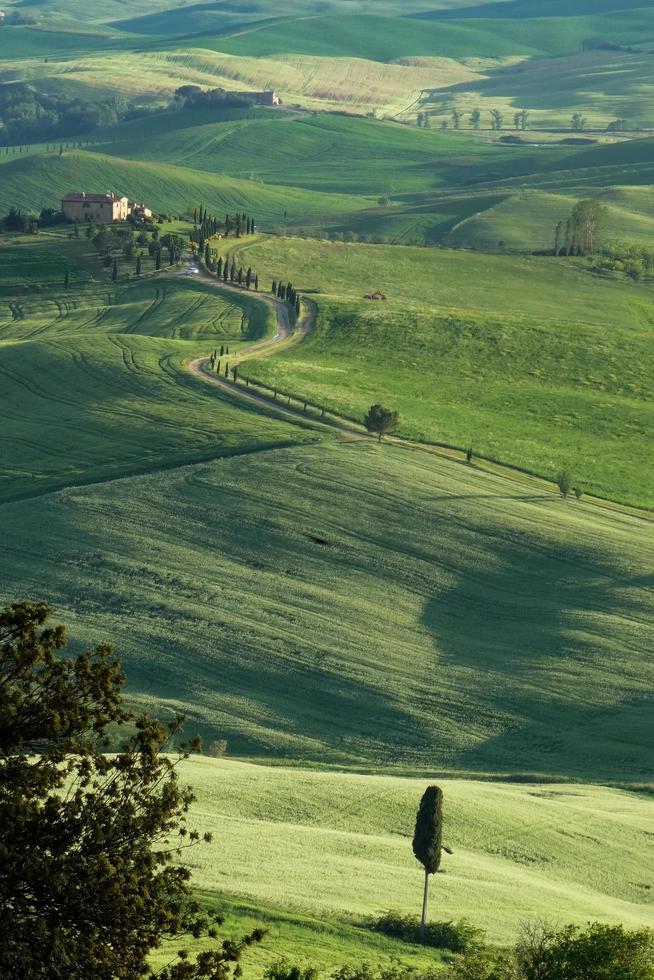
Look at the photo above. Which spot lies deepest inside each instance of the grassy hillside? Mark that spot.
(40, 180)
(384, 39)
(334, 153)
(536, 362)
(525, 222)
(564, 852)
(455, 620)
(602, 85)
(103, 367)
(326, 942)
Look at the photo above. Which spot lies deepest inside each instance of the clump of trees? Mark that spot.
(28, 114)
(88, 887)
(598, 952)
(633, 261)
(580, 234)
(194, 97)
(381, 420)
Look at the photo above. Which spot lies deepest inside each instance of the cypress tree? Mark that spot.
(66, 279)
(226, 271)
(226, 370)
(248, 278)
(219, 267)
(207, 255)
(256, 283)
(138, 264)
(427, 841)
(240, 277)
(157, 260)
(274, 287)
(114, 272)
(232, 271)
(222, 350)
(297, 305)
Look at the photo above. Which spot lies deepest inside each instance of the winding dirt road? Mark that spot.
(285, 336)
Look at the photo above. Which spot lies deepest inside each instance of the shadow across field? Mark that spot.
(551, 635)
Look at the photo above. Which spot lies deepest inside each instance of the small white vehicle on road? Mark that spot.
(192, 271)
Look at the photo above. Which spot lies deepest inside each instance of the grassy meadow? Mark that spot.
(520, 850)
(529, 360)
(350, 620)
(454, 620)
(93, 383)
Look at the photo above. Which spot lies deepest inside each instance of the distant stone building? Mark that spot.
(80, 206)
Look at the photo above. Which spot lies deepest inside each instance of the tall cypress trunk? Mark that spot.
(425, 900)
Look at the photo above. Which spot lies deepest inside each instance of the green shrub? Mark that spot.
(457, 937)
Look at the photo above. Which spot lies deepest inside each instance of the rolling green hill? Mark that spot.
(39, 180)
(384, 39)
(567, 852)
(536, 362)
(103, 366)
(454, 619)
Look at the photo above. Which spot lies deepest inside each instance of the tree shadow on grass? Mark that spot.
(557, 645)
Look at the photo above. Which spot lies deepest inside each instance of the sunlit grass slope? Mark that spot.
(533, 361)
(525, 222)
(342, 844)
(385, 39)
(332, 153)
(40, 180)
(324, 941)
(93, 385)
(602, 85)
(445, 618)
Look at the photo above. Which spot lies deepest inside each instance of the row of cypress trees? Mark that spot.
(287, 292)
(229, 272)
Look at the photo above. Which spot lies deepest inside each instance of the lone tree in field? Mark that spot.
(381, 420)
(427, 841)
(564, 483)
(87, 887)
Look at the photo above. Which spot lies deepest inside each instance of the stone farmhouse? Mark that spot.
(80, 206)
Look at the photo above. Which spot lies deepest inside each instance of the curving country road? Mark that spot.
(286, 335)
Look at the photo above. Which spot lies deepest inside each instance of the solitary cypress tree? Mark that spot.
(427, 841)
(256, 283)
